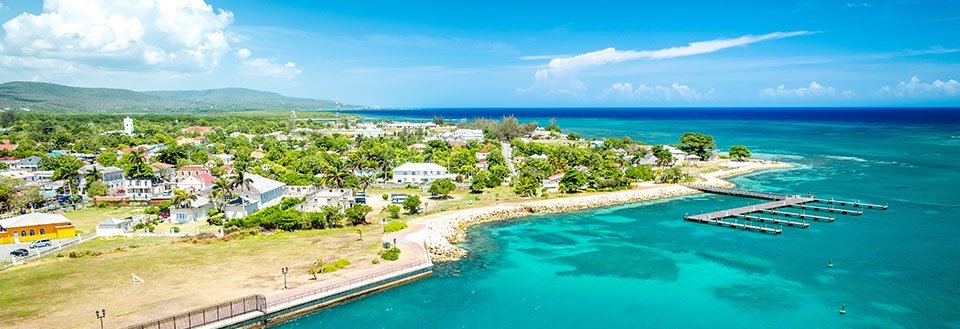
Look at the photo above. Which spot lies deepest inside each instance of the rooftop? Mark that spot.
(33, 219)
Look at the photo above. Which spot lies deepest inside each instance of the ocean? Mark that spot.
(642, 266)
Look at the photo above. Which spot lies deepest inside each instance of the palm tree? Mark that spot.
(221, 191)
(183, 198)
(365, 181)
(335, 174)
(93, 175)
(241, 181)
(359, 231)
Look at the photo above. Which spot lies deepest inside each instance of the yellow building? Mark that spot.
(35, 226)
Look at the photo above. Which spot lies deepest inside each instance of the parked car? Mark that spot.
(360, 200)
(41, 243)
(20, 252)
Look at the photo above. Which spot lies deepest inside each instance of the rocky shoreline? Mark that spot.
(441, 233)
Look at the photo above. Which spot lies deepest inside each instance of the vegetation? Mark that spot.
(394, 227)
(739, 152)
(412, 204)
(391, 254)
(697, 144)
(442, 187)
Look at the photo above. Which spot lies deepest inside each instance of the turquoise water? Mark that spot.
(640, 265)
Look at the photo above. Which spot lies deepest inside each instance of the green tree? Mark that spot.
(392, 210)
(357, 214)
(412, 204)
(697, 144)
(640, 173)
(572, 181)
(183, 198)
(107, 158)
(664, 157)
(442, 187)
(336, 174)
(739, 152)
(527, 185)
(480, 181)
(93, 176)
(96, 188)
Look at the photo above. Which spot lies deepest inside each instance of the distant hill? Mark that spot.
(41, 96)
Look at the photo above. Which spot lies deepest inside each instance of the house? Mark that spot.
(681, 156)
(21, 175)
(552, 183)
(419, 173)
(368, 130)
(196, 183)
(112, 176)
(31, 164)
(239, 208)
(648, 159)
(539, 133)
(482, 154)
(115, 226)
(338, 197)
(299, 191)
(596, 144)
(198, 129)
(194, 141)
(468, 134)
(194, 212)
(35, 226)
(163, 170)
(263, 191)
(142, 189)
(226, 159)
(190, 171)
(7, 145)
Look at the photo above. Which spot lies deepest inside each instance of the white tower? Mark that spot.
(128, 126)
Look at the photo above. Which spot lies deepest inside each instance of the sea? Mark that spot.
(641, 266)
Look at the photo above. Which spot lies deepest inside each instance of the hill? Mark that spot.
(41, 96)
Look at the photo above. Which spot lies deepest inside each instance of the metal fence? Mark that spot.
(357, 280)
(209, 314)
(57, 247)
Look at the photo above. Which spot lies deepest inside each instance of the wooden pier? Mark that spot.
(772, 208)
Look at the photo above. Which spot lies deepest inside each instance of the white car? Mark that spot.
(41, 243)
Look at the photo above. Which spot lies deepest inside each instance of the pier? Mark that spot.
(773, 208)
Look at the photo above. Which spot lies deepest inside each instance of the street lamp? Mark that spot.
(100, 315)
(284, 270)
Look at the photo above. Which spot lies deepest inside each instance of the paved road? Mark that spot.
(5, 249)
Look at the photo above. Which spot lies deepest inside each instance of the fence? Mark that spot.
(49, 250)
(209, 314)
(357, 280)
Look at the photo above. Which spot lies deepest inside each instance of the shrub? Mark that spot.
(83, 253)
(341, 263)
(175, 229)
(391, 254)
(412, 204)
(385, 196)
(394, 226)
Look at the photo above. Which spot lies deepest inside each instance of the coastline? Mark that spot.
(440, 233)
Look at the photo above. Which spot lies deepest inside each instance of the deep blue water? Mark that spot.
(640, 265)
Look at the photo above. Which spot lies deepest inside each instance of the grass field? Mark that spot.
(63, 292)
(86, 220)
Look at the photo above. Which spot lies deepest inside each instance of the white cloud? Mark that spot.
(243, 53)
(814, 89)
(121, 35)
(915, 88)
(560, 74)
(624, 91)
(269, 68)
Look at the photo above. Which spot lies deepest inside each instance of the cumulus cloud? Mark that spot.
(120, 34)
(243, 53)
(915, 88)
(814, 89)
(269, 68)
(561, 74)
(624, 91)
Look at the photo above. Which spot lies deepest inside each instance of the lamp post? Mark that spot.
(100, 315)
(284, 270)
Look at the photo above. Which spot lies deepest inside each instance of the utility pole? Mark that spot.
(100, 315)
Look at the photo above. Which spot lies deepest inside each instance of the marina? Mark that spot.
(773, 208)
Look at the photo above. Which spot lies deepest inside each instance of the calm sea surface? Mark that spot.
(642, 266)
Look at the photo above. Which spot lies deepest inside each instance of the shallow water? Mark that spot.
(640, 265)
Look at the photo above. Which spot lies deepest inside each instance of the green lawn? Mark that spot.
(86, 220)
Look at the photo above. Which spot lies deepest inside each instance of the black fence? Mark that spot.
(209, 314)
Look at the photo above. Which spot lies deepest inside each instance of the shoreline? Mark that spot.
(439, 233)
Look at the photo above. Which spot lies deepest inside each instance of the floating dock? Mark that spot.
(778, 201)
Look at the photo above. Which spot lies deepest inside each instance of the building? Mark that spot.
(163, 170)
(198, 129)
(128, 126)
(112, 176)
(142, 189)
(7, 145)
(190, 171)
(35, 226)
(239, 208)
(195, 212)
(369, 130)
(339, 197)
(681, 156)
(299, 191)
(468, 134)
(30, 164)
(196, 183)
(226, 159)
(552, 183)
(115, 226)
(261, 193)
(419, 173)
(20, 175)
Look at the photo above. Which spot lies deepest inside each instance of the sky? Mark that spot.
(500, 53)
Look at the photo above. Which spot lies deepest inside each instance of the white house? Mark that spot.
(339, 197)
(195, 212)
(299, 191)
(142, 189)
(115, 226)
(681, 156)
(468, 134)
(261, 193)
(369, 130)
(196, 183)
(552, 183)
(419, 173)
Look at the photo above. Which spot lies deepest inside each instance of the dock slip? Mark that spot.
(773, 210)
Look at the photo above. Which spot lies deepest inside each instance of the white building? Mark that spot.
(142, 189)
(196, 183)
(128, 126)
(468, 134)
(552, 183)
(338, 197)
(681, 156)
(115, 226)
(195, 212)
(261, 193)
(370, 132)
(419, 173)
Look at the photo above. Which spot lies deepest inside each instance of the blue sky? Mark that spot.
(500, 53)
